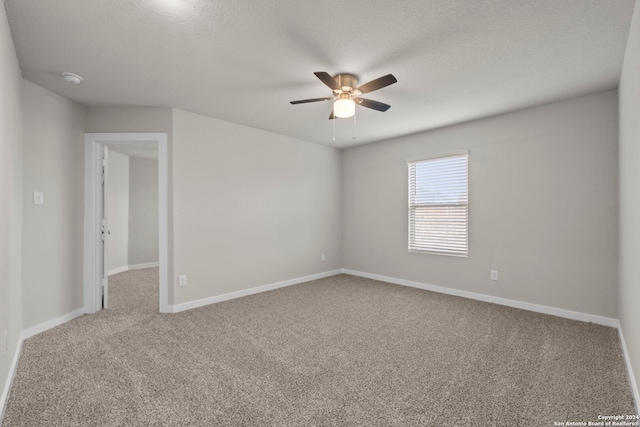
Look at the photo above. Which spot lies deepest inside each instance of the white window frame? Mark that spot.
(446, 236)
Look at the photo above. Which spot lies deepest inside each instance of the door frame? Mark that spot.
(93, 148)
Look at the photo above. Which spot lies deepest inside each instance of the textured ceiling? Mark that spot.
(243, 61)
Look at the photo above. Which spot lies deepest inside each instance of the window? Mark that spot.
(438, 205)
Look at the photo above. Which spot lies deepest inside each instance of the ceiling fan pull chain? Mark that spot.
(334, 129)
(355, 135)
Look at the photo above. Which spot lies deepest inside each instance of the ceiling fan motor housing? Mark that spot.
(347, 81)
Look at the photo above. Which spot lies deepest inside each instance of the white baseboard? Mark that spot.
(146, 265)
(117, 270)
(232, 295)
(133, 267)
(28, 333)
(237, 294)
(632, 378)
(12, 373)
(568, 314)
(35, 330)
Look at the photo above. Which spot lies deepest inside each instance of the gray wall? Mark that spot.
(296, 185)
(118, 215)
(10, 198)
(128, 119)
(53, 232)
(143, 211)
(630, 195)
(133, 211)
(250, 207)
(543, 206)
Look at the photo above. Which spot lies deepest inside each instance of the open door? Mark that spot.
(96, 226)
(104, 227)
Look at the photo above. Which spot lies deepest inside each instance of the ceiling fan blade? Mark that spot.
(327, 79)
(332, 116)
(304, 101)
(375, 105)
(378, 83)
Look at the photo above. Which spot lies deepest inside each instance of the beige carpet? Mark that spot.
(341, 351)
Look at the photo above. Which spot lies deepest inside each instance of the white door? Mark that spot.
(104, 228)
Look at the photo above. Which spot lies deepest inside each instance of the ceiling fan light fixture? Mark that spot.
(344, 107)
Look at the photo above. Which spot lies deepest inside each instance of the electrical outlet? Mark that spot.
(5, 346)
(323, 257)
(183, 280)
(494, 274)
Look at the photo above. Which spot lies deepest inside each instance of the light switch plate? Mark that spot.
(38, 198)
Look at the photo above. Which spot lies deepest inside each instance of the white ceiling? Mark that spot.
(244, 60)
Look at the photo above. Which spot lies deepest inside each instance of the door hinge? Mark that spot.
(104, 282)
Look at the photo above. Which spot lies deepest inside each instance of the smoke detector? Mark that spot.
(72, 78)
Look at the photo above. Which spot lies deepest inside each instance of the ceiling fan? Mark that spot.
(346, 93)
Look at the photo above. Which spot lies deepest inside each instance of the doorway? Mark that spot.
(96, 228)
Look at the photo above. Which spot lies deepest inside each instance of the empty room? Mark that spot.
(296, 213)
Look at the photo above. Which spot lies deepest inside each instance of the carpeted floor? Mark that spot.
(340, 351)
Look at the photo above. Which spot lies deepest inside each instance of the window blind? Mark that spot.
(438, 205)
